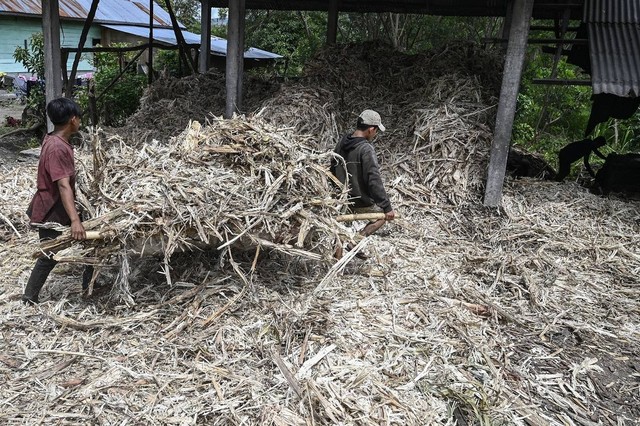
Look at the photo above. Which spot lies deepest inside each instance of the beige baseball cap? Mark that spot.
(371, 118)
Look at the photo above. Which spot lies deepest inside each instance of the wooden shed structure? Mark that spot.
(610, 30)
(612, 35)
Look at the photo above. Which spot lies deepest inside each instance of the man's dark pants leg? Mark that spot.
(41, 270)
(43, 267)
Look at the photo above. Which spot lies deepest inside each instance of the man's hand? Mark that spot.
(77, 230)
(68, 201)
(390, 215)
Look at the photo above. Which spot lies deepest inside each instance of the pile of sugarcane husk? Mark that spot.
(230, 183)
(438, 108)
(526, 315)
(304, 111)
(17, 184)
(170, 103)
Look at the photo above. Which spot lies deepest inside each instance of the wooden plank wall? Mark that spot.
(16, 30)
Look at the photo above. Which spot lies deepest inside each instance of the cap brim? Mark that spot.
(381, 127)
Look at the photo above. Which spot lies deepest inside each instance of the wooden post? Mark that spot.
(150, 58)
(76, 59)
(205, 36)
(233, 50)
(511, 77)
(64, 58)
(93, 107)
(182, 44)
(52, 67)
(240, 57)
(506, 25)
(332, 23)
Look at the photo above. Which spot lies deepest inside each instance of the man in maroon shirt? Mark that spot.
(54, 200)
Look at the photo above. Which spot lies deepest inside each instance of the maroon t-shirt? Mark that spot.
(56, 162)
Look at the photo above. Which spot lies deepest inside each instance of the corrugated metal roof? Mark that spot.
(612, 11)
(130, 12)
(614, 46)
(614, 50)
(167, 36)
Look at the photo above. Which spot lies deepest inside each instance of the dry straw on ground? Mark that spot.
(525, 315)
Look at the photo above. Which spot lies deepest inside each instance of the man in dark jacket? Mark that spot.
(362, 172)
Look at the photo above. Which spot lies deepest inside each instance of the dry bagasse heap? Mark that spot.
(526, 315)
(229, 183)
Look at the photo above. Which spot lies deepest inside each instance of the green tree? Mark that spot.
(294, 35)
(32, 58)
(414, 33)
(188, 13)
(121, 99)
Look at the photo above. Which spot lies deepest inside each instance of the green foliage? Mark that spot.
(36, 105)
(32, 58)
(33, 142)
(549, 117)
(294, 35)
(622, 135)
(123, 98)
(187, 12)
(415, 33)
(168, 61)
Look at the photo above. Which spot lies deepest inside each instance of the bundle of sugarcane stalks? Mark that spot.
(230, 183)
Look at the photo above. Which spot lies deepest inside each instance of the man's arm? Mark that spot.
(68, 201)
(373, 179)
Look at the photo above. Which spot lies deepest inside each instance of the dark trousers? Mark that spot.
(43, 267)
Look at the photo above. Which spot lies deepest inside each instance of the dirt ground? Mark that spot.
(10, 146)
(10, 106)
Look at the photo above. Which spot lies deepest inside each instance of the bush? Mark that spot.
(32, 58)
(123, 98)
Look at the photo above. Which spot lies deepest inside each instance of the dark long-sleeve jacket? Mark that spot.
(365, 182)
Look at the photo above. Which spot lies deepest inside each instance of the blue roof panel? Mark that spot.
(167, 36)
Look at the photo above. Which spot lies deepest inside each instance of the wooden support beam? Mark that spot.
(332, 22)
(150, 58)
(52, 60)
(511, 77)
(240, 56)
(561, 41)
(205, 36)
(184, 54)
(233, 51)
(68, 92)
(561, 82)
